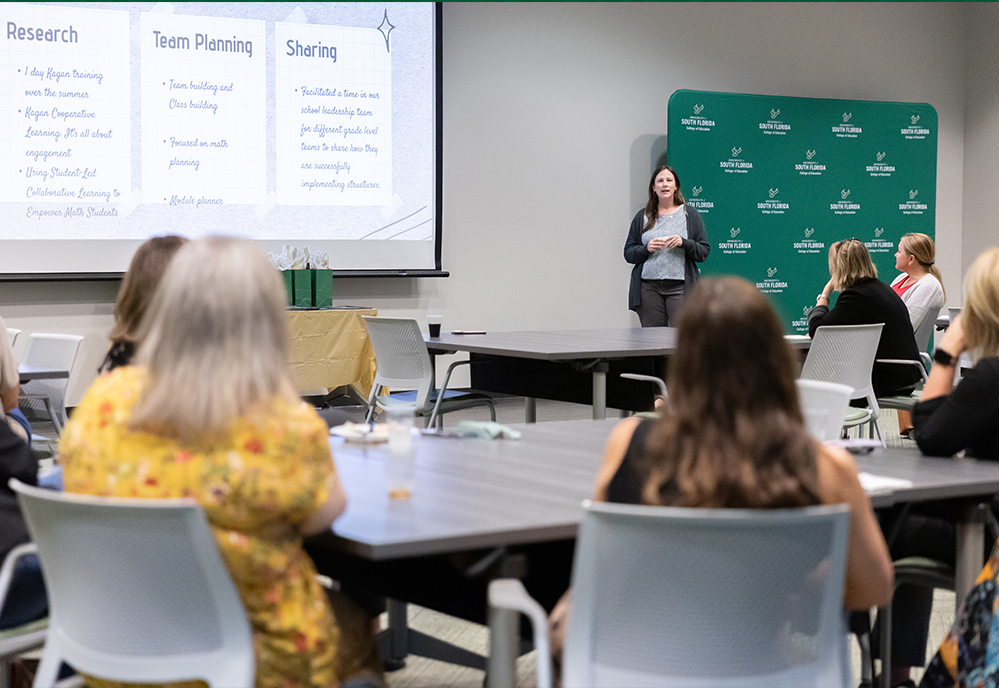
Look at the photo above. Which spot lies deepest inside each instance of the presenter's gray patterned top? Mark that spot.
(667, 263)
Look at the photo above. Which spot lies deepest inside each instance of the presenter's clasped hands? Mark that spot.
(659, 243)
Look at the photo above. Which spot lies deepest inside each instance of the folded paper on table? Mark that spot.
(882, 483)
(487, 430)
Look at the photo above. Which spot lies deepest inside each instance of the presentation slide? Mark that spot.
(312, 125)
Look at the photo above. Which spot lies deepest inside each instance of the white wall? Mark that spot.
(981, 126)
(554, 115)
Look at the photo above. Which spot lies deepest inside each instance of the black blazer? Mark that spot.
(16, 461)
(866, 302)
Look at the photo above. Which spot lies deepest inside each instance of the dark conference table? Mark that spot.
(27, 373)
(570, 365)
(470, 494)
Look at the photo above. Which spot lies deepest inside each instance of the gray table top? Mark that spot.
(561, 345)
(26, 373)
(479, 493)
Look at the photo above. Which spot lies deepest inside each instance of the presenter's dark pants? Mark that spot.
(661, 303)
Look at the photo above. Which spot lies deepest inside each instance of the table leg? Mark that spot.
(504, 643)
(970, 549)
(600, 391)
(530, 410)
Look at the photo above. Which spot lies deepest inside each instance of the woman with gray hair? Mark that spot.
(208, 412)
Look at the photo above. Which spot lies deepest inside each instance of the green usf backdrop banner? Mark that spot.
(779, 179)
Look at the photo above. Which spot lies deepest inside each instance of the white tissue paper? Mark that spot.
(292, 258)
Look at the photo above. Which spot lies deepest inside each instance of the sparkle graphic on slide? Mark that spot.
(386, 32)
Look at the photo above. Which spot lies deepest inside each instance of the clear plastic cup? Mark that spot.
(399, 464)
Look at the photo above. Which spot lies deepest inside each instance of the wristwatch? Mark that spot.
(821, 296)
(943, 358)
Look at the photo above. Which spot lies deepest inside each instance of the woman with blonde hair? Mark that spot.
(947, 420)
(209, 413)
(865, 300)
(921, 289)
(920, 285)
(134, 296)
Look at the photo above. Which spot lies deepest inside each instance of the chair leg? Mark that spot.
(492, 412)
(371, 403)
(48, 669)
(884, 618)
(56, 421)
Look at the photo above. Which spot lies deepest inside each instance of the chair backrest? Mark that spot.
(954, 311)
(925, 329)
(47, 350)
(666, 596)
(401, 356)
(137, 590)
(844, 354)
(824, 405)
(12, 335)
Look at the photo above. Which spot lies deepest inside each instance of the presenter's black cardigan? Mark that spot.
(695, 248)
(870, 301)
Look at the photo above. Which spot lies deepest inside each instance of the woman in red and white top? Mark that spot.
(920, 286)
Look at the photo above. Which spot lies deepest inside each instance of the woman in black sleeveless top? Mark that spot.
(733, 435)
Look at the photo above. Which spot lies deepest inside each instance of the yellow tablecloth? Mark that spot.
(330, 348)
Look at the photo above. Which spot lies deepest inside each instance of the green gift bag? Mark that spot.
(322, 288)
(286, 276)
(302, 287)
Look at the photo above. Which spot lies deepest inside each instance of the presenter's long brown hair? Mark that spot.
(652, 207)
(734, 435)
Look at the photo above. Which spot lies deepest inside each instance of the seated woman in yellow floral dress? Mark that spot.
(209, 413)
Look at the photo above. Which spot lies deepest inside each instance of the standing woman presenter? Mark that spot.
(665, 242)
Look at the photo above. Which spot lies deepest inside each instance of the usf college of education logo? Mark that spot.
(809, 232)
(915, 119)
(774, 192)
(878, 231)
(912, 195)
(881, 156)
(847, 116)
(736, 151)
(735, 231)
(809, 154)
(771, 272)
(696, 190)
(774, 113)
(698, 109)
(844, 194)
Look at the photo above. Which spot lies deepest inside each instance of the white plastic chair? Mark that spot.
(137, 591)
(12, 335)
(49, 351)
(20, 639)
(667, 596)
(403, 362)
(845, 354)
(824, 405)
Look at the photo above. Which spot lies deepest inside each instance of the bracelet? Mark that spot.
(821, 296)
